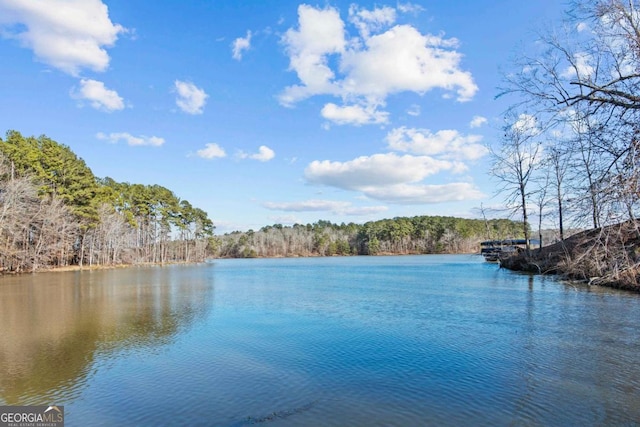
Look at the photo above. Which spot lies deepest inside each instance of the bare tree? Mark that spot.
(558, 164)
(582, 82)
(54, 230)
(515, 162)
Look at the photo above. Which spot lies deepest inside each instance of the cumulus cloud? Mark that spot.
(98, 95)
(69, 35)
(478, 121)
(448, 144)
(374, 171)
(264, 154)
(130, 139)
(367, 21)
(337, 207)
(392, 179)
(211, 151)
(240, 45)
(320, 33)
(397, 179)
(353, 114)
(425, 194)
(191, 99)
(366, 68)
(402, 59)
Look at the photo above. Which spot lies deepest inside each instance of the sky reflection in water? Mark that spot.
(429, 340)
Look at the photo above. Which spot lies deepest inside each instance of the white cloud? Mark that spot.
(367, 21)
(425, 194)
(264, 154)
(320, 33)
(130, 139)
(353, 114)
(67, 34)
(306, 206)
(581, 26)
(581, 67)
(402, 59)
(575, 123)
(364, 210)
(98, 95)
(376, 170)
(393, 179)
(410, 8)
(363, 70)
(191, 99)
(337, 207)
(526, 125)
(448, 144)
(240, 45)
(211, 151)
(529, 150)
(478, 121)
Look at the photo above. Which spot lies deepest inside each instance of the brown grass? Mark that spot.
(608, 256)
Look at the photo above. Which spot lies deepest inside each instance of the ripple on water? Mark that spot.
(360, 342)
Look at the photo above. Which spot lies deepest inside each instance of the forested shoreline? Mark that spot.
(54, 212)
(397, 236)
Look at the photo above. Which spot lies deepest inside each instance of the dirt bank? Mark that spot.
(608, 256)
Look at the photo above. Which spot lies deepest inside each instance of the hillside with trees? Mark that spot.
(415, 235)
(54, 212)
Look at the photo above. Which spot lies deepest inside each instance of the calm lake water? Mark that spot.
(357, 341)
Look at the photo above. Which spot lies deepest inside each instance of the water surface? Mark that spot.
(416, 340)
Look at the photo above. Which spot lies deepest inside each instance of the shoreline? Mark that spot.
(72, 268)
(75, 268)
(607, 256)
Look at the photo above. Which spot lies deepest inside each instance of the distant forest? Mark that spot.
(55, 212)
(416, 235)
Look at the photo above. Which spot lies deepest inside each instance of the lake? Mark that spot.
(356, 341)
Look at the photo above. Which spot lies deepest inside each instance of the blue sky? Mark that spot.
(272, 111)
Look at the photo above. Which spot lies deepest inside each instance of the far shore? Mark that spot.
(68, 268)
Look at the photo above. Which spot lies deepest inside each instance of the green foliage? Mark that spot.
(373, 246)
(59, 172)
(144, 216)
(249, 253)
(401, 235)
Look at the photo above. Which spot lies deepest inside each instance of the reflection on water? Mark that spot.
(358, 341)
(54, 325)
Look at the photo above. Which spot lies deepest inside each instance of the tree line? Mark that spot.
(401, 235)
(54, 212)
(570, 147)
(570, 150)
